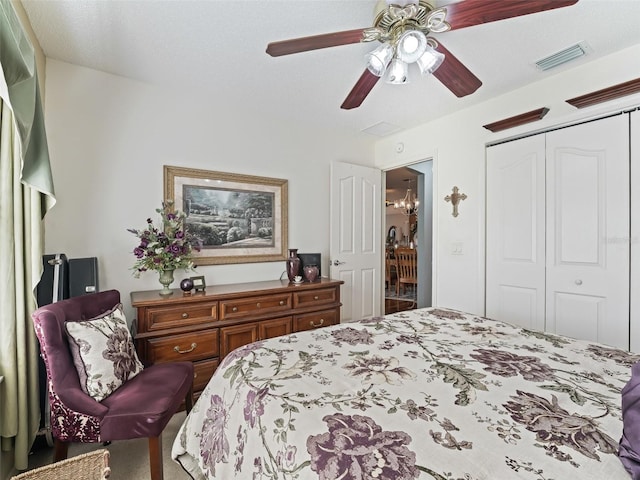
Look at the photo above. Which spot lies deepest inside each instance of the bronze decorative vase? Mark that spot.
(293, 264)
(310, 273)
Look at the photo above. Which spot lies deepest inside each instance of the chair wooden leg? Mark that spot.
(155, 457)
(60, 451)
(188, 401)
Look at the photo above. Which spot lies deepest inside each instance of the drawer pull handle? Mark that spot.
(314, 325)
(282, 302)
(182, 352)
(316, 297)
(185, 315)
(195, 375)
(234, 309)
(258, 304)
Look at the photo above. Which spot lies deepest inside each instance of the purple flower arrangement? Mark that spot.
(167, 248)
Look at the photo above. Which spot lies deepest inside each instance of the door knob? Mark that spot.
(338, 262)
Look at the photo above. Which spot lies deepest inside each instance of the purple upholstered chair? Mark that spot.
(141, 407)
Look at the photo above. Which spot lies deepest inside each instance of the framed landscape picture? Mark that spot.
(238, 218)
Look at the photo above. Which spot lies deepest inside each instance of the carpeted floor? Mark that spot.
(129, 458)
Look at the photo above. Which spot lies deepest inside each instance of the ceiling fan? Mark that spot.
(403, 28)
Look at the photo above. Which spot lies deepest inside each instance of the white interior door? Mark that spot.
(634, 327)
(356, 238)
(588, 230)
(515, 272)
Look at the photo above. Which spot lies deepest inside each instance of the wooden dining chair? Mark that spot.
(407, 269)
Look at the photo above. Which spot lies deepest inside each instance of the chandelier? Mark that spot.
(409, 204)
(403, 32)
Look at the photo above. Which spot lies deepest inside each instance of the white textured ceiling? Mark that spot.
(217, 48)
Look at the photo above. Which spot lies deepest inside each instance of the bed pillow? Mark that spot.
(103, 353)
(629, 451)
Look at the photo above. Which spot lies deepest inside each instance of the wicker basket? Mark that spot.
(89, 466)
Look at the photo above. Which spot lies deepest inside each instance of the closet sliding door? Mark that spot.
(635, 232)
(558, 208)
(515, 275)
(587, 274)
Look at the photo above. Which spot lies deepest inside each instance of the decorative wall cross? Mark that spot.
(455, 198)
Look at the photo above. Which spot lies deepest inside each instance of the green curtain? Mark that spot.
(26, 193)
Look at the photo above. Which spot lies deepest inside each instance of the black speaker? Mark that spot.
(83, 276)
(309, 259)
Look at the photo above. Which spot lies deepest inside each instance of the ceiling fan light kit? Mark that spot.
(403, 32)
(378, 60)
(398, 72)
(411, 46)
(430, 61)
(403, 28)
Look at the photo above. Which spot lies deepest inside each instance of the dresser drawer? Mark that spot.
(313, 320)
(252, 306)
(202, 372)
(161, 318)
(314, 297)
(189, 346)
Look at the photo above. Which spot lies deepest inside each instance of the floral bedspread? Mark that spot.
(428, 394)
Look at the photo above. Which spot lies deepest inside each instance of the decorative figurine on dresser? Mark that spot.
(205, 326)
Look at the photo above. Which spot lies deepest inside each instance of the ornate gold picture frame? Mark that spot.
(238, 218)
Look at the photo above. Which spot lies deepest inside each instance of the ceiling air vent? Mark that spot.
(563, 56)
(381, 129)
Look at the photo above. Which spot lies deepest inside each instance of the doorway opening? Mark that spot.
(409, 237)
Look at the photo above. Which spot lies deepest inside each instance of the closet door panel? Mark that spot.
(587, 275)
(515, 290)
(581, 314)
(580, 214)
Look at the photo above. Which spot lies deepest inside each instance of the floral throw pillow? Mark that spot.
(103, 353)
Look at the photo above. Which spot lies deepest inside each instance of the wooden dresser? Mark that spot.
(204, 327)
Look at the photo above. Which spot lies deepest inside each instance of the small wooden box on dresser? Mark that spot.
(205, 326)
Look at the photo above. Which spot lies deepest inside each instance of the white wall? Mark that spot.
(109, 138)
(457, 145)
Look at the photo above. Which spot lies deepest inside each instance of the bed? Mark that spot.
(429, 394)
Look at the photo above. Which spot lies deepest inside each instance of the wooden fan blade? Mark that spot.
(315, 42)
(454, 75)
(474, 12)
(360, 90)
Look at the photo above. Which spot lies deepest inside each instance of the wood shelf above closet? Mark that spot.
(606, 94)
(521, 119)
